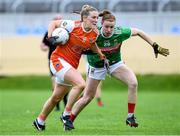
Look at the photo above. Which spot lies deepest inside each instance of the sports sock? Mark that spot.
(72, 117)
(130, 115)
(67, 111)
(41, 119)
(99, 102)
(98, 99)
(131, 107)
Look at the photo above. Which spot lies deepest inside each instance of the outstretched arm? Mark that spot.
(143, 35)
(157, 49)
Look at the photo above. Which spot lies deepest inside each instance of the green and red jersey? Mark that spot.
(110, 46)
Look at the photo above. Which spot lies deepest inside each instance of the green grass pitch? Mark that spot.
(157, 110)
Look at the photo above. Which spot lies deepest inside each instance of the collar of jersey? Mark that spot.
(105, 36)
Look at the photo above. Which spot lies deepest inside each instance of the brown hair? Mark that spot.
(107, 15)
(85, 11)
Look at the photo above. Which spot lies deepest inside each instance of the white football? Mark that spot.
(63, 35)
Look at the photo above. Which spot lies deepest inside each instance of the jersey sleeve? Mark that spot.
(68, 25)
(126, 33)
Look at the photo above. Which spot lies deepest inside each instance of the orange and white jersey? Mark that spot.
(79, 40)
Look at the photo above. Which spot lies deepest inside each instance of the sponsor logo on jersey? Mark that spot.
(107, 44)
(112, 49)
(77, 49)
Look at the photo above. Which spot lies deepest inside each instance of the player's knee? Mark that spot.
(81, 86)
(133, 85)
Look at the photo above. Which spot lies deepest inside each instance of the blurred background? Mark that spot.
(25, 83)
(24, 22)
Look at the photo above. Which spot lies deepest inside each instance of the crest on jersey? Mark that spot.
(107, 43)
(91, 40)
(115, 41)
(64, 23)
(84, 39)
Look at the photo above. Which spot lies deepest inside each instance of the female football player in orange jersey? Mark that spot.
(46, 45)
(65, 60)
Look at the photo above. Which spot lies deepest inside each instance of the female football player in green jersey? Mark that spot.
(109, 41)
